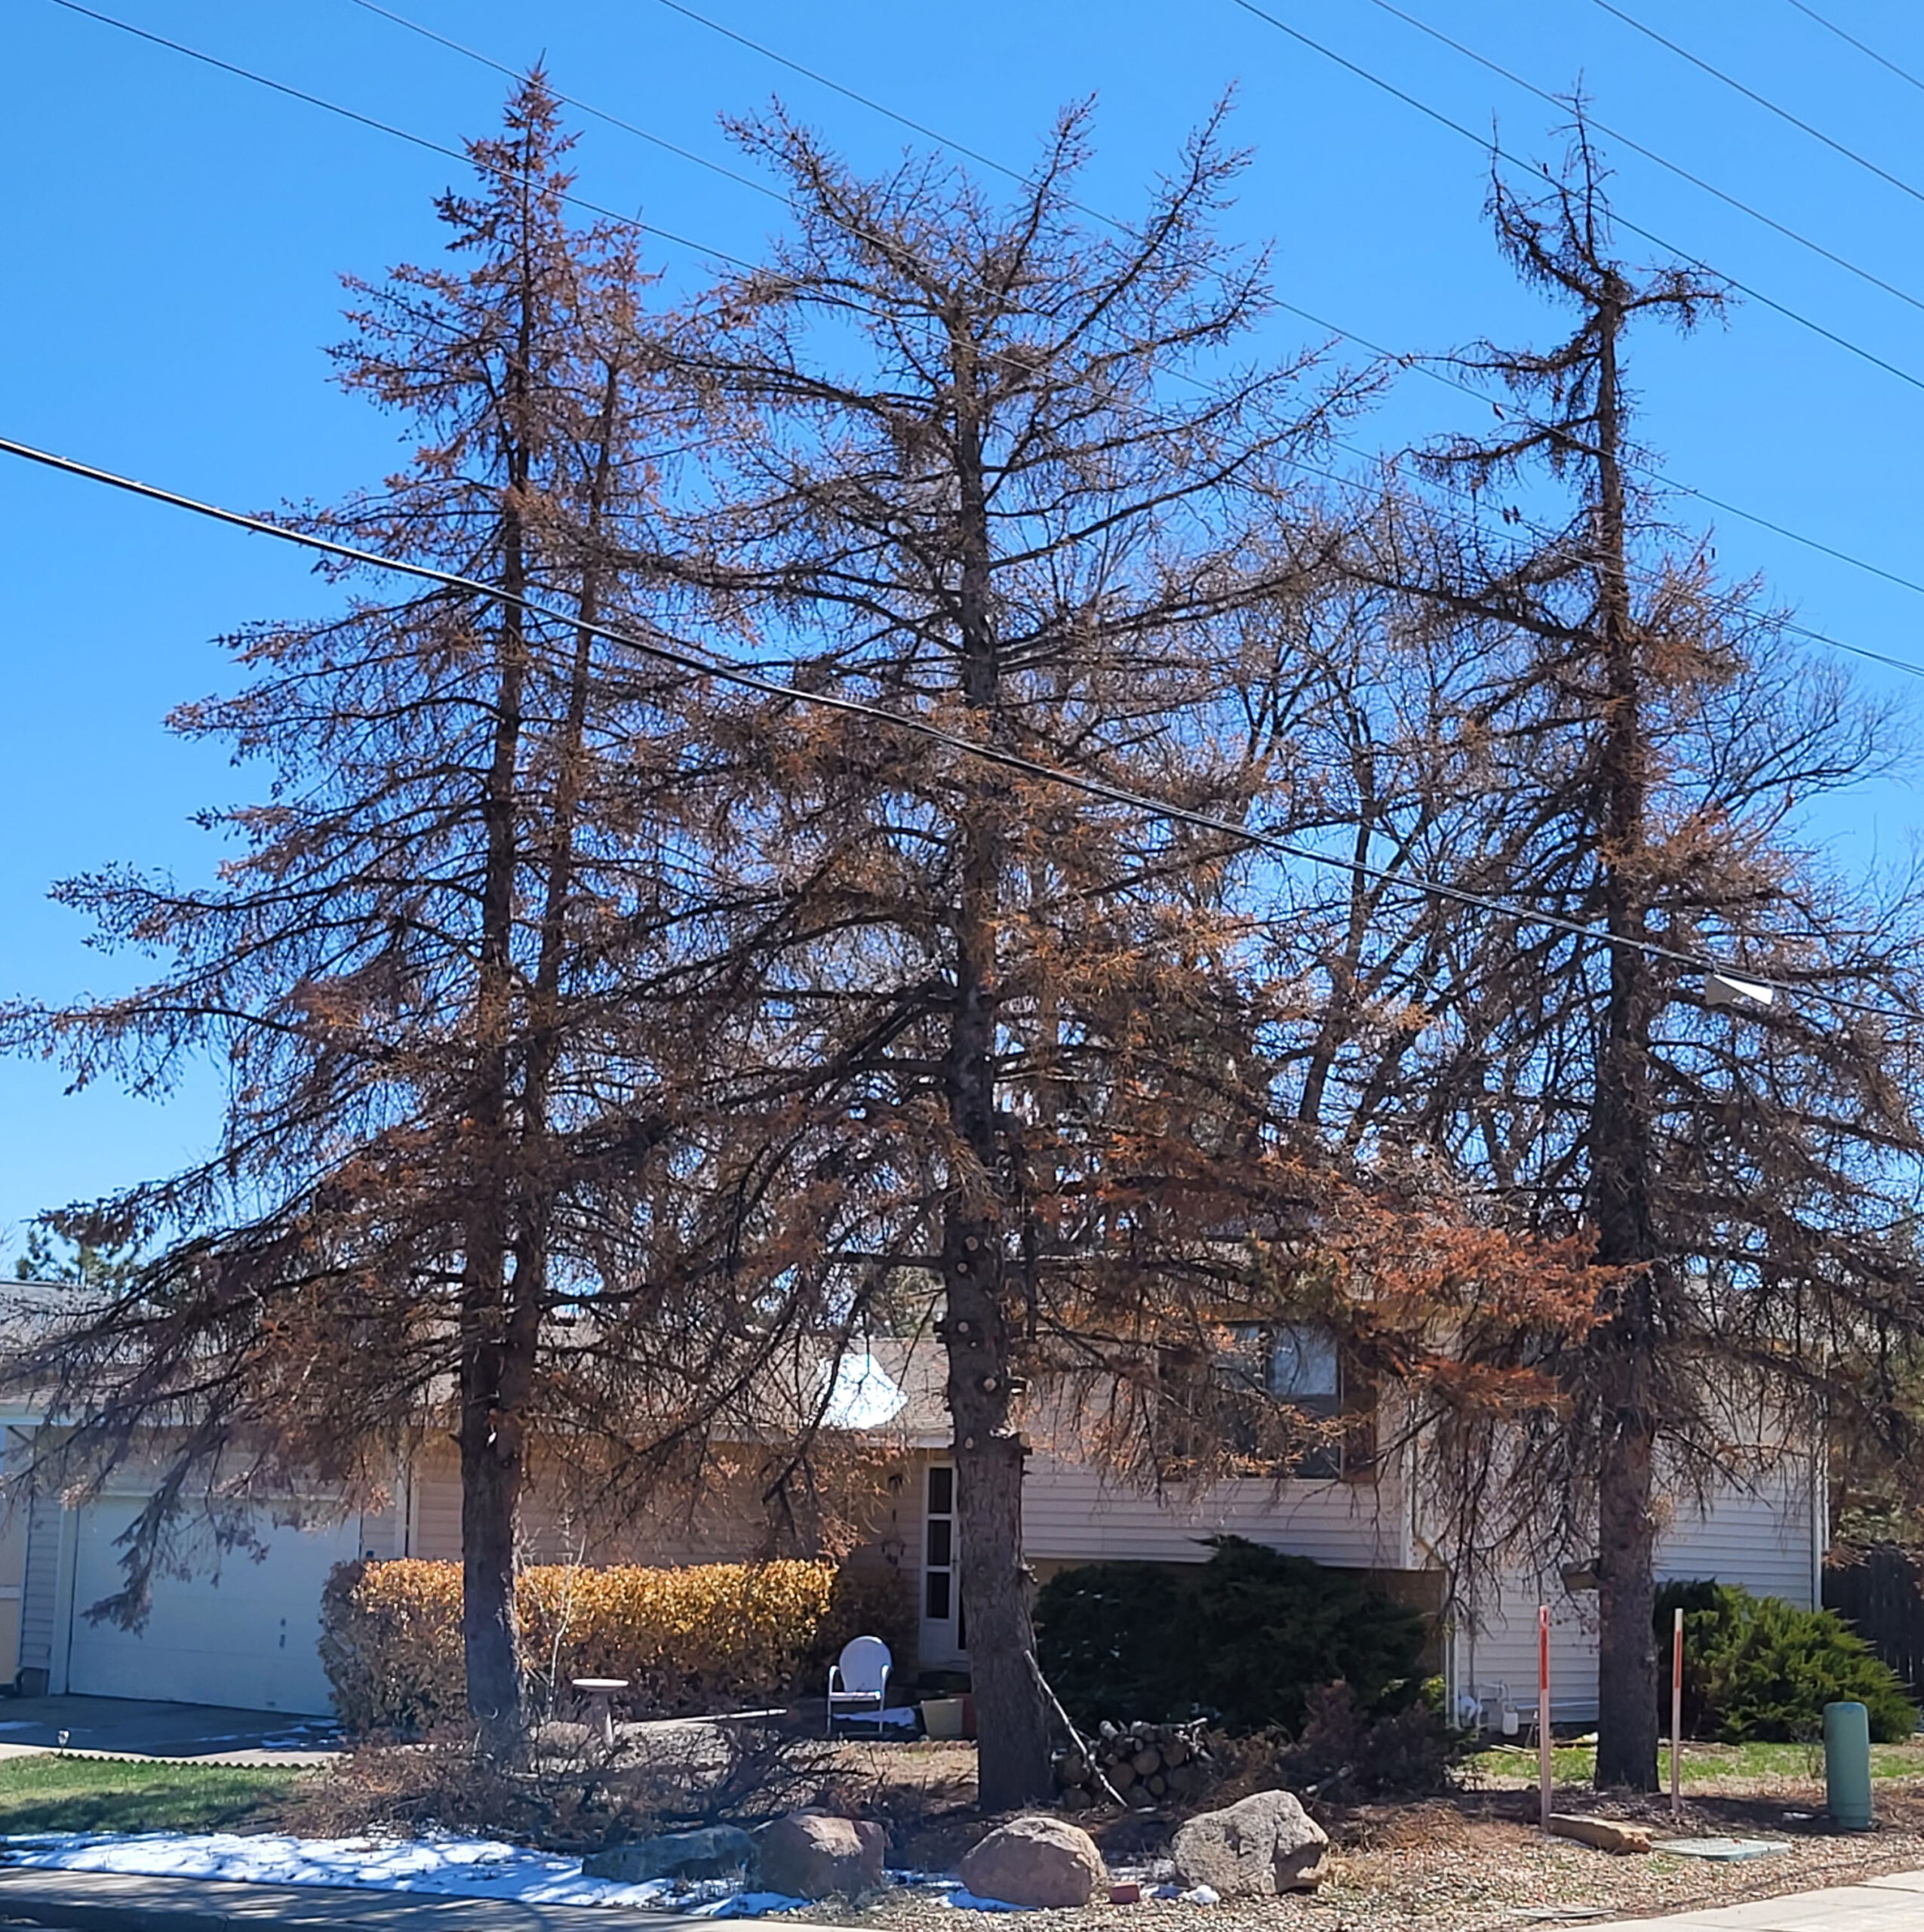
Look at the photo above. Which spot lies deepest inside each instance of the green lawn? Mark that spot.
(1703, 1763)
(58, 1794)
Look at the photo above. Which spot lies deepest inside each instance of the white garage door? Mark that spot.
(245, 1634)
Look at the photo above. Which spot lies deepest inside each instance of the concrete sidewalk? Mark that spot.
(116, 1902)
(1895, 1904)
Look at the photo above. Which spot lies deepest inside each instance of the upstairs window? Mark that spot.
(1230, 1403)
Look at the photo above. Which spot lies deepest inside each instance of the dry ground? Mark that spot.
(1472, 1862)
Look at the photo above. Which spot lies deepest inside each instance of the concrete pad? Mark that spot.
(1876, 1904)
(1842, 1908)
(129, 1727)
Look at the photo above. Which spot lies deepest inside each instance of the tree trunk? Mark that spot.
(1627, 1590)
(494, 1334)
(1621, 1159)
(491, 1475)
(1013, 1762)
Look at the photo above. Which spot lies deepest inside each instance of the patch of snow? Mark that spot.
(965, 1901)
(463, 1867)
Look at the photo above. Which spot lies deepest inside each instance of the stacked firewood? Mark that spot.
(1143, 1764)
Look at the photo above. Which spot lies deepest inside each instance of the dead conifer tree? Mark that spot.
(997, 473)
(1637, 748)
(452, 965)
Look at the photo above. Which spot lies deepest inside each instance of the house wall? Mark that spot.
(1768, 1534)
(1071, 1514)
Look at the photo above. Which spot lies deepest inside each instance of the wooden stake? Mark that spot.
(1676, 1716)
(1544, 1781)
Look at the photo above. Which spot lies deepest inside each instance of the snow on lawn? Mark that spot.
(467, 1868)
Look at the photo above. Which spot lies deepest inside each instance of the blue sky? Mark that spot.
(175, 237)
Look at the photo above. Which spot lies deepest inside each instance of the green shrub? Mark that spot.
(1759, 1669)
(1243, 1639)
(1105, 1637)
(686, 1639)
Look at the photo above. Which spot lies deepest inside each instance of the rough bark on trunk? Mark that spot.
(1621, 1158)
(1013, 1726)
(497, 1339)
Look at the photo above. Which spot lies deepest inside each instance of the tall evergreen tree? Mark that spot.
(1635, 751)
(454, 967)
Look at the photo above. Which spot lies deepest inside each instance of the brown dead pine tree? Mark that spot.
(1015, 1034)
(455, 967)
(1640, 743)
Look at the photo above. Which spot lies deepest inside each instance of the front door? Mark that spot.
(945, 1637)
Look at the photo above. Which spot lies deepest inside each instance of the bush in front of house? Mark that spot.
(698, 1638)
(1759, 1669)
(1244, 1639)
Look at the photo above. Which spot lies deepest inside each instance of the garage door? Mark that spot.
(245, 1634)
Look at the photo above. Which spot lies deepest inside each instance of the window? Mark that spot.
(1231, 1401)
(939, 1545)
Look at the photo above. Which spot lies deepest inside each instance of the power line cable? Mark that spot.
(1764, 101)
(751, 678)
(388, 127)
(1112, 222)
(1870, 53)
(1617, 135)
(1819, 637)
(641, 133)
(1490, 146)
(1424, 366)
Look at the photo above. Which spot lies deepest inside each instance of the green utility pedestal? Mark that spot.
(1847, 1766)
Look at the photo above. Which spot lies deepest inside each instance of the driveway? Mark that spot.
(128, 1727)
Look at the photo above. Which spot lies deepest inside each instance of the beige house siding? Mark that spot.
(1768, 1534)
(41, 1587)
(1071, 1514)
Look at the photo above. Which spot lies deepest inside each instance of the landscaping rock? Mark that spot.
(1266, 1845)
(816, 1855)
(1605, 1833)
(1035, 1862)
(713, 1852)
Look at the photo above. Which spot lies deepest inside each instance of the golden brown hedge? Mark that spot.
(707, 1637)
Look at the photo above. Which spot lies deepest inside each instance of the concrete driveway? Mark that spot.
(133, 1727)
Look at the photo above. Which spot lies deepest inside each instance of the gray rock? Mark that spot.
(816, 1855)
(1266, 1845)
(713, 1852)
(1036, 1862)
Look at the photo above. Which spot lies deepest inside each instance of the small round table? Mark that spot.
(601, 1712)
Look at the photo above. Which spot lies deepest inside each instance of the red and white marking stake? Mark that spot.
(1676, 1716)
(1543, 1713)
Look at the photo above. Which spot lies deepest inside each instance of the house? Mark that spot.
(240, 1628)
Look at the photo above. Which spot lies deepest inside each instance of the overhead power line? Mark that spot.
(1649, 154)
(1491, 147)
(387, 127)
(1764, 101)
(1112, 222)
(1428, 366)
(1869, 53)
(748, 677)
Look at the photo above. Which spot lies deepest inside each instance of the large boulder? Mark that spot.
(715, 1852)
(1036, 1862)
(815, 1855)
(1266, 1845)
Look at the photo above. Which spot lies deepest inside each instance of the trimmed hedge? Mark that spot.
(687, 1640)
(1243, 1639)
(1757, 1669)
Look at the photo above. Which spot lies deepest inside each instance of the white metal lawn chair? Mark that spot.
(858, 1678)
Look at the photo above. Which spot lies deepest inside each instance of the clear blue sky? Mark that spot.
(174, 235)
